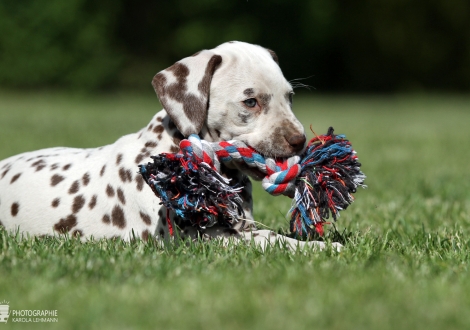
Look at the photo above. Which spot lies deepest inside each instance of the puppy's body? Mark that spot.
(93, 192)
(235, 91)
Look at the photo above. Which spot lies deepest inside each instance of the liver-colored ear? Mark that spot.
(274, 55)
(183, 89)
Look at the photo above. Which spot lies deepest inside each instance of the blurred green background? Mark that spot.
(343, 46)
(406, 263)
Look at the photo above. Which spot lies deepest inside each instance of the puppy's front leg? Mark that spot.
(263, 238)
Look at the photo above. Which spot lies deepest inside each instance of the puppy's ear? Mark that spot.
(183, 90)
(274, 55)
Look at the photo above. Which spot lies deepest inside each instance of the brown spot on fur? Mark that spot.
(109, 191)
(145, 235)
(92, 203)
(56, 179)
(129, 175)
(151, 144)
(122, 174)
(249, 92)
(117, 217)
(139, 158)
(65, 225)
(159, 119)
(244, 116)
(77, 233)
(15, 177)
(145, 218)
(54, 166)
(86, 179)
(158, 129)
(264, 100)
(15, 208)
(78, 203)
(5, 172)
(118, 159)
(66, 167)
(102, 170)
(140, 182)
(121, 197)
(150, 127)
(39, 164)
(125, 175)
(74, 187)
(55, 202)
(106, 219)
(174, 148)
(205, 83)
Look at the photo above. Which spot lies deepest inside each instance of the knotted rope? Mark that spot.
(320, 181)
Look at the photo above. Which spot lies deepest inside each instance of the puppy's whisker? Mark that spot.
(296, 79)
(296, 84)
(299, 85)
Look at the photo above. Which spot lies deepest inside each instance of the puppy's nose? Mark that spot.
(297, 141)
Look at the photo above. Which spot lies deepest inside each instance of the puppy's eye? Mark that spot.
(250, 103)
(291, 95)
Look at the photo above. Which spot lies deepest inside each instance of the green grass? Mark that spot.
(405, 264)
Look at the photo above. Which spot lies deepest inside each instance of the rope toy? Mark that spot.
(320, 181)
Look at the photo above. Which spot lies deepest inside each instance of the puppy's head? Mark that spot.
(235, 91)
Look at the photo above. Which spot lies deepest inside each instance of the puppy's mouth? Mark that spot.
(276, 152)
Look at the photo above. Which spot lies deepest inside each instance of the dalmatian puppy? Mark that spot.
(235, 91)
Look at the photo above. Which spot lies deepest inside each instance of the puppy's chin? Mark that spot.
(254, 173)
